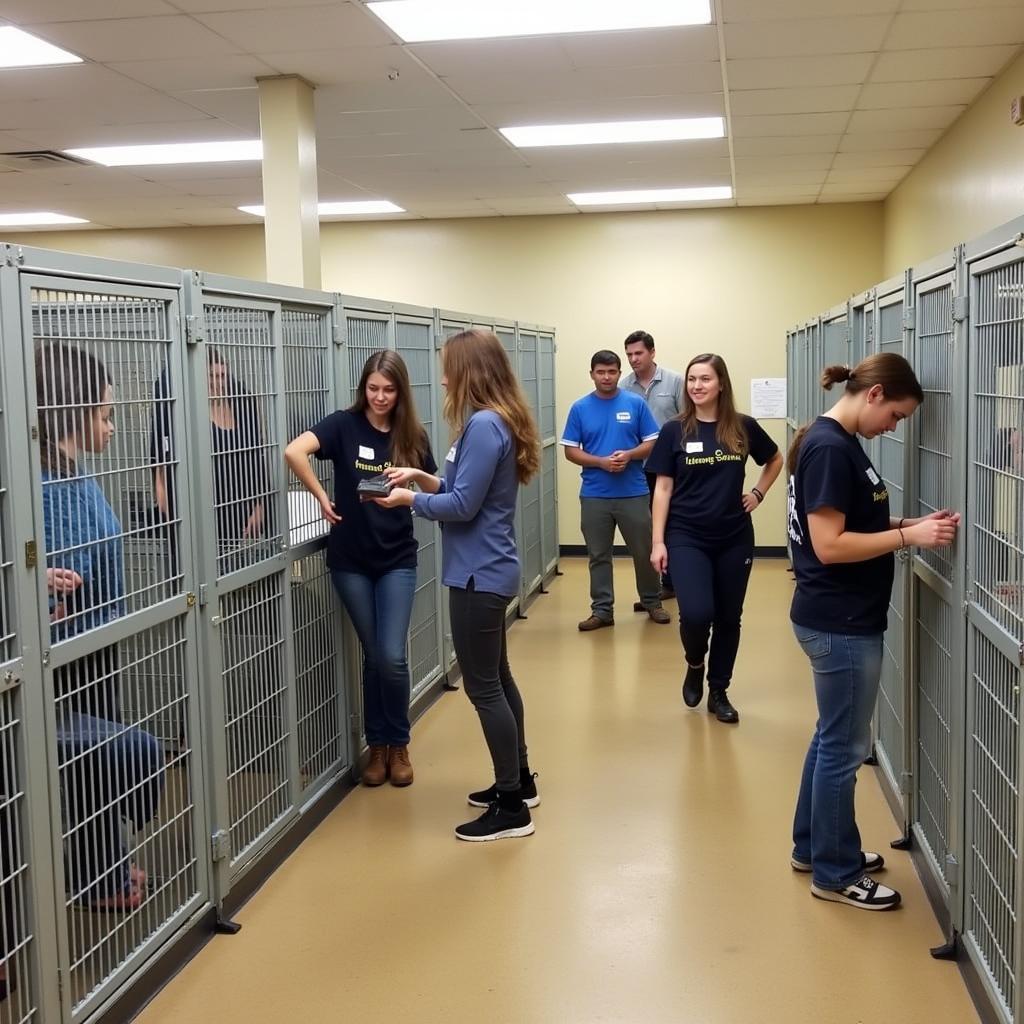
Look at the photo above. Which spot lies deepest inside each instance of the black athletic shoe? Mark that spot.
(527, 790)
(693, 686)
(497, 823)
(865, 894)
(719, 706)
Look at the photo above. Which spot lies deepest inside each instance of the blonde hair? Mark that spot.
(480, 376)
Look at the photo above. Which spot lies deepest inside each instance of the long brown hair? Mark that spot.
(408, 442)
(895, 375)
(480, 376)
(729, 429)
(70, 383)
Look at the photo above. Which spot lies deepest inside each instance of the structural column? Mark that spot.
(290, 195)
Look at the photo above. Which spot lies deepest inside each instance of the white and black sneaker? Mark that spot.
(527, 790)
(497, 823)
(872, 862)
(864, 894)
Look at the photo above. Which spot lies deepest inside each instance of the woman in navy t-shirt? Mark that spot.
(842, 546)
(702, 531)
(371, 551)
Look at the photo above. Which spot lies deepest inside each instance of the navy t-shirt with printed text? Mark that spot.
(369, 539)
(707, 489)
(833, 471)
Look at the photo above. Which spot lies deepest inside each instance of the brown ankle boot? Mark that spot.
(399, 766)
(376, 771)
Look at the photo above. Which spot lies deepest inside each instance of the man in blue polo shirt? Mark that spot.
(609, 433)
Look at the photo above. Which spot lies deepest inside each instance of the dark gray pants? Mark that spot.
(598, 519)
(478, 634)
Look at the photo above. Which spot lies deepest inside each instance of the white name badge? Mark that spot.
(694, 446)
(872, 475)
(623, 417)
(450, 457)
(364, 452)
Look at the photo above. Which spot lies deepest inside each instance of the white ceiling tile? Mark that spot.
(535, 55)
(131, 107)
(185, 74)
(245, 190)
(469, 142)
(793, 124)
(757, 179)
(873, 177)
(331, 124)
(852, 188)
(80, 184)
(85, 133)
(781, 144)
(783, 162)
(932, 65)
(637, 48)
(188, 172)
(526, 205)
(955, 5)
(293, 27)
(877, 141)
(410, 91)
(842, 197)
(907, 119)
(586, 109)
(885, 158)
(805, 37)
(793, 101)
(439, 210)
(348, 66)
(762, 10)
(80, 80)
(919, 31)
(138, 38)
(237, 107)
(794, 199)
(768, 191)
(799, 72)
(509, 87)
(38, 12)
(703, 153)
(199, 6)
(920, 94)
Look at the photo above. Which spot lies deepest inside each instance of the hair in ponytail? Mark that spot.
(890, 371)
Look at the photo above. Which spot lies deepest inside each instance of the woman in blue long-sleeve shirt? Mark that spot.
(496, 449)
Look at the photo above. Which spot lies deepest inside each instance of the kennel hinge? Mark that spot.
(220, 845)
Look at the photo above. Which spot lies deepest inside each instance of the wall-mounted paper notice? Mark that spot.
(768, 398)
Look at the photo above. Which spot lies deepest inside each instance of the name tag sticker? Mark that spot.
(450, 457)
(364, 452)
(623, 417)
(694, 446)
(872, 475)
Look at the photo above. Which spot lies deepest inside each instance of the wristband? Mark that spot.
(760, 496)
(900, 526)
(903, 540)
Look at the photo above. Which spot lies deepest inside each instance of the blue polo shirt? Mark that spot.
(601, 426)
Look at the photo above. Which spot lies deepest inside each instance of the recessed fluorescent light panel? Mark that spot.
(20, 50)
(25, 220)
(654, 195)
(420, 21)
(607, 132)
(178, 153)
(339, 209)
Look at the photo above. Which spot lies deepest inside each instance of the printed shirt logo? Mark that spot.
(623, 417)
(712, 460)
(796, 533)
(882, 495)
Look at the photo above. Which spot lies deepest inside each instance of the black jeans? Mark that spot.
(711, 601)
(478, 634)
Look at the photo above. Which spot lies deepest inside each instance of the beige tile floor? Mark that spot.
(657, 886)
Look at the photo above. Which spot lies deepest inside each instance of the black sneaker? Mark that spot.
(719, 706)
(865, 894)
(497, 823)
(693, 686)
(872, 862)
(527, 790)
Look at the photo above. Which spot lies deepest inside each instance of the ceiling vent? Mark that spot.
(38, 160)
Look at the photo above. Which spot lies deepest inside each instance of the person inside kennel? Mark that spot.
(111, 773)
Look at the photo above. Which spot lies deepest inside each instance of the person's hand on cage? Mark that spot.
(61, 581)
(254, 527)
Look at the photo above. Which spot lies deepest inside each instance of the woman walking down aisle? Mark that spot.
(497, 447)
(371, 552)
(843, 544)
(703, 532)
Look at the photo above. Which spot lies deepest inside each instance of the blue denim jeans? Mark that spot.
(846, 674)
(380, 609)
(112, 775)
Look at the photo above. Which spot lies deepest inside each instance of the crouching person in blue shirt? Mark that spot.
(497, 447)
(609, 433)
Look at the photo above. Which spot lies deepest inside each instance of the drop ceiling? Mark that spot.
(825, 101)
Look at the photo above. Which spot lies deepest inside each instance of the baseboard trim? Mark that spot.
(580, 551)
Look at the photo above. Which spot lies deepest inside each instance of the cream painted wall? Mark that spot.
(728, 280)
(971, 181)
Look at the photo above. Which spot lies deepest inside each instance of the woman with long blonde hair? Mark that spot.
(496, 448)
(371, 553)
